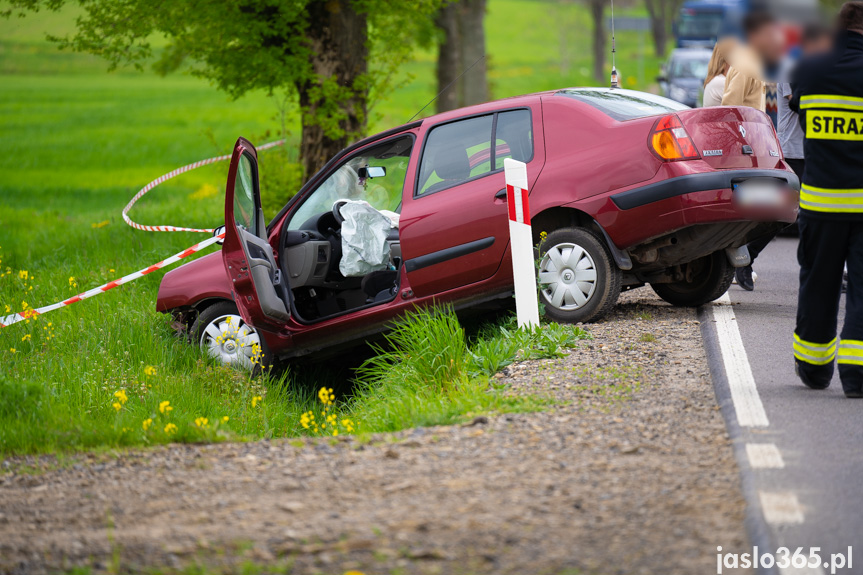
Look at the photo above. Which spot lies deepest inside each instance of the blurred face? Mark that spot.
(768, 42)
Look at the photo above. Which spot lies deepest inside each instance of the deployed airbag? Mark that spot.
(364, 239)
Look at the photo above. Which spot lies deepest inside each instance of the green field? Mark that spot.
(79, 141)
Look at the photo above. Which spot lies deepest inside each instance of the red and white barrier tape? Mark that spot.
(174, 174)
(27, 314)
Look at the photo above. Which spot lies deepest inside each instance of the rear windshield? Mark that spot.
(623, 105)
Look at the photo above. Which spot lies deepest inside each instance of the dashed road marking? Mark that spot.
(764, 456)
(781, 508)
(747, 403)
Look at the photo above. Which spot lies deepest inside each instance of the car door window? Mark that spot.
(513, 137)
(460, 151)
(456, 152)
(244, 195)
(383, 193)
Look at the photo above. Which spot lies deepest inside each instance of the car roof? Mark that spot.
(494, 105)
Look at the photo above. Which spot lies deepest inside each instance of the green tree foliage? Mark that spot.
(332, 56)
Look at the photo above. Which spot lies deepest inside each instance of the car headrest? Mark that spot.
(452, 164)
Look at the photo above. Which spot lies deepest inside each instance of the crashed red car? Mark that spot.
(630, 188)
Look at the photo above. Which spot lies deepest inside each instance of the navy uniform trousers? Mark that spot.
(825, 246)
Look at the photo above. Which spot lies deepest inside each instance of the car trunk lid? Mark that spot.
(732, 137)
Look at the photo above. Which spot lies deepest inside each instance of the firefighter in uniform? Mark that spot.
(828, 95)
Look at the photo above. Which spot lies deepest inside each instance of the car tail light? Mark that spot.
(670, 141)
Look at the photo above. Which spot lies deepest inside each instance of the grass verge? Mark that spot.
(429, 372)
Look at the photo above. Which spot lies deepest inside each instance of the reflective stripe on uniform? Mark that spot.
(851, 352)
(816, 353)
(831, 101)
(831, 200)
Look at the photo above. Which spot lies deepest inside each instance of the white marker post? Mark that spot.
(521, 243)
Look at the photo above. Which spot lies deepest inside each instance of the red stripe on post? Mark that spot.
(510, 202)
(525, 207)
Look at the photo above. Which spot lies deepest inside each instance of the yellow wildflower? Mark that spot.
(23, 274)
(256, 400)
(12, 349)
(165, 407)
(170, 429)
(225, 419)
(202, 422)
(8, 308)
(326, 396)
(150, 370)
(73, 283)
(117, 405)
(147, 423)
(26, 337)
(100, 224)
(121, 396)
(205, 191)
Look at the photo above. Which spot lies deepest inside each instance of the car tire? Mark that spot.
(578, 279)
(222, 334)
(712, 276)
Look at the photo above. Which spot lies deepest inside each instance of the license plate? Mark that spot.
(759, 193)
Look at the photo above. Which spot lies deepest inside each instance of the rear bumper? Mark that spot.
(692, 183)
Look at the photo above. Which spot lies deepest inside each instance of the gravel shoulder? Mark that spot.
(630, 472)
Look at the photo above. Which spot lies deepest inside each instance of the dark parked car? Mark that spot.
(631, 189)
(683, 75)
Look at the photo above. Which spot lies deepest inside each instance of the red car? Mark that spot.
(630, 188)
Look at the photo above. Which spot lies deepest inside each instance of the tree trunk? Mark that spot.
(337, 36)
(463, 46)
(448, 58)
(597, 10)
(661, 12)
(474, 82)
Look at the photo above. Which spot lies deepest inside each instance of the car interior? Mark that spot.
(324, 280)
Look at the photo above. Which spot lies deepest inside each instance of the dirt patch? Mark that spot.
(631, 473)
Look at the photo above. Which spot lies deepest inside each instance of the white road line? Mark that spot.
(781, 508)
(764, 456)
(744, 394)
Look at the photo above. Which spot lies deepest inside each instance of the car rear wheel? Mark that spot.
(707, 278)
(222, 334)
(578, 280)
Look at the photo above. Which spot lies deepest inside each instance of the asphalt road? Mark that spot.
(818, 433)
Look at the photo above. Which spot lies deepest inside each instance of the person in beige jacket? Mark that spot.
(744, 83)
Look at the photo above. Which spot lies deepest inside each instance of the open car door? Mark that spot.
(259, 289)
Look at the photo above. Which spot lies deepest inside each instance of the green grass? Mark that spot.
(78, 142)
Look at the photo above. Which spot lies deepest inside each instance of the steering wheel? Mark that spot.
(337, 205)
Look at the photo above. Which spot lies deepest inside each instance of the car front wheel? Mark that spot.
(223, 335)
(707, 278)
(578, 280)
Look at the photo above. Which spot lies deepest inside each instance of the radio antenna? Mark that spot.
(447, 87)
(615, 79)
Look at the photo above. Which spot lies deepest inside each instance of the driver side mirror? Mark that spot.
(370, 172)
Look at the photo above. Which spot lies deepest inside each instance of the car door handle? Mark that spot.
(501, 195)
